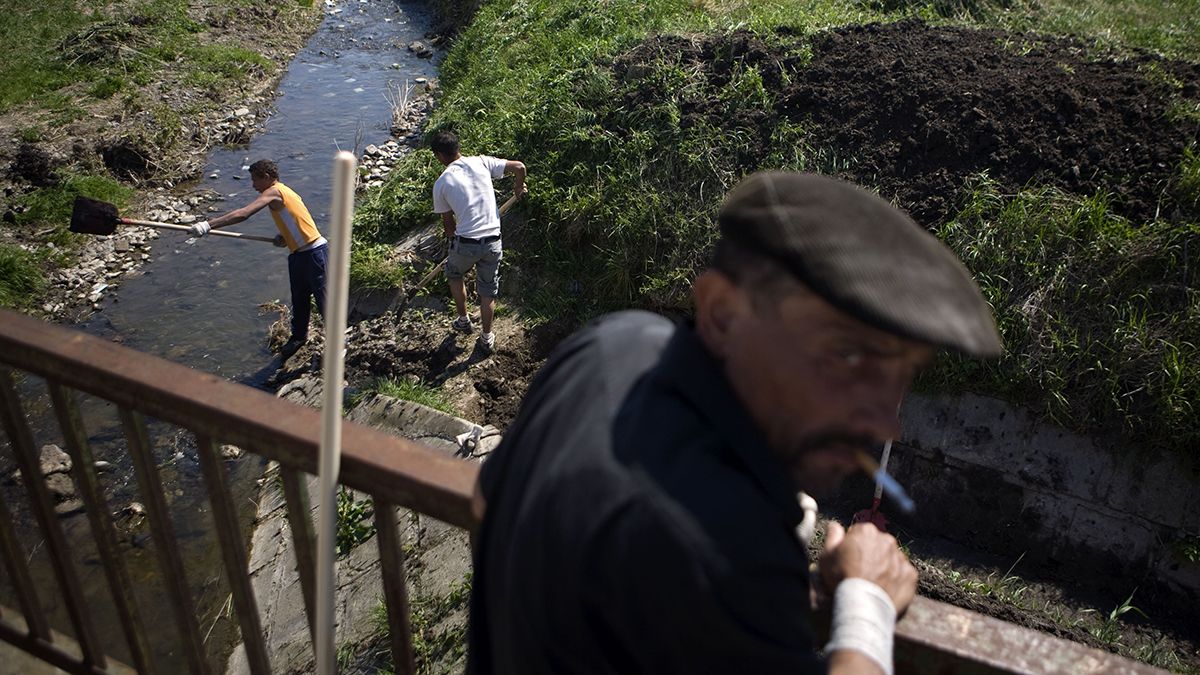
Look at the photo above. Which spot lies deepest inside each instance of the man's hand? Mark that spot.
(200, 229)
(521, 190)
(866, 553)
(278, 241)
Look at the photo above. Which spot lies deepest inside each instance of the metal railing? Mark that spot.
(933, 637)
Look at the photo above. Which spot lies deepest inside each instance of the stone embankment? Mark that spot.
(437, 557)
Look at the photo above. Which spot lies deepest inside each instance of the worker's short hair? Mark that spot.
(444, 143)
(265, 168)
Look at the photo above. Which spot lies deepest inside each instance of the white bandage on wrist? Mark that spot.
(864, 619)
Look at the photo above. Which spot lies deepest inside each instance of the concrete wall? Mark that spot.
(989, 475)
(437, 556)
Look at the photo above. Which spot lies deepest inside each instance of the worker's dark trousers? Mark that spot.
(306, 270)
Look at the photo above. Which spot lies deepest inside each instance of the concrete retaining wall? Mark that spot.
(991, 476)
(437, 559)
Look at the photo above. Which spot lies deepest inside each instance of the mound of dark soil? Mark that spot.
(34, 164)
(915, 109)
(126, 158)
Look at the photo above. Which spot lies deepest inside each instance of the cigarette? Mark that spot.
(889, 484)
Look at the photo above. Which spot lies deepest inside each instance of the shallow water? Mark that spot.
(196, 302)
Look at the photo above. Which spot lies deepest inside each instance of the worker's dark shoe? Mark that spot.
(290, 347)
(462, 323)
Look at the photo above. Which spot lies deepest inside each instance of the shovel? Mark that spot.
(91, 216)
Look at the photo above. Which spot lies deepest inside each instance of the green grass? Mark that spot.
(417, 392)
(51, 45)
(212, 66)
(1169, 27)
(1100, 319)
(434, 645)
(31, 67)
(354, 520)
(49, 209)
(374, 266)
(47, 214)
(21, 277)
(1189, 176)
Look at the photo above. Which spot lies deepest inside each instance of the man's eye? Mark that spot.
(852, 357)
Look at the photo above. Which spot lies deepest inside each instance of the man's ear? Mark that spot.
(719, 305)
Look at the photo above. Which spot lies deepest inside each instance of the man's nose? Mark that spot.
(879, 410)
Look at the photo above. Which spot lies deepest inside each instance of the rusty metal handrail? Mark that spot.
(933, 637)
(375, 462)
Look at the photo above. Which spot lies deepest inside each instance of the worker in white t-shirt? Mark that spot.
(464, 197)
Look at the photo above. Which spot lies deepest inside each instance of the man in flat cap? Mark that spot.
(641, 514)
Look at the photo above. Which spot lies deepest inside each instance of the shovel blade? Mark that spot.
(91, 216)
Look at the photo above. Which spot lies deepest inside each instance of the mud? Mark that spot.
(915, 109)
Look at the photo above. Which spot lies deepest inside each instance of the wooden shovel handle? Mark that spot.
(429, 275)
(508, 204)
(185, 228)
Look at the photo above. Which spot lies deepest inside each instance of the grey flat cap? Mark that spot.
(864, 256)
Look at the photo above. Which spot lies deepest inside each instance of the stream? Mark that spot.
(196, 302)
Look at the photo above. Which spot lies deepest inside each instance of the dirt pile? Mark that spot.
(914, 109)
(419, 346)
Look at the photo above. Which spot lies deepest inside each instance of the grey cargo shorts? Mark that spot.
(485, 257)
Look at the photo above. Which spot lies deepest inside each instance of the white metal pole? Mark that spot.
(336, 300)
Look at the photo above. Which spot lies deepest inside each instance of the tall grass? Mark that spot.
(1100, 319)
(21, 277)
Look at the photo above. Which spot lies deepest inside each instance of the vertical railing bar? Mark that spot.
(18, 571)
(233, 551)
(165, 542)
(395, 592)
(295, 495)
(56, 543)
(71, 424)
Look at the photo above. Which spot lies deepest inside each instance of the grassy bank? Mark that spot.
(115, 95)
(624, 186)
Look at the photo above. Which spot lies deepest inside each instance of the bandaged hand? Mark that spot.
(866, 553)
(200, 229)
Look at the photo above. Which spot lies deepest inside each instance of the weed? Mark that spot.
(29, 134)
(354, 520)
(447, 645)
(375, 266)
(1188, 548)
(1109, 632)
(106, 86)
(417, 392)
(1122, 366)
(1008, 588)
(21, 276)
